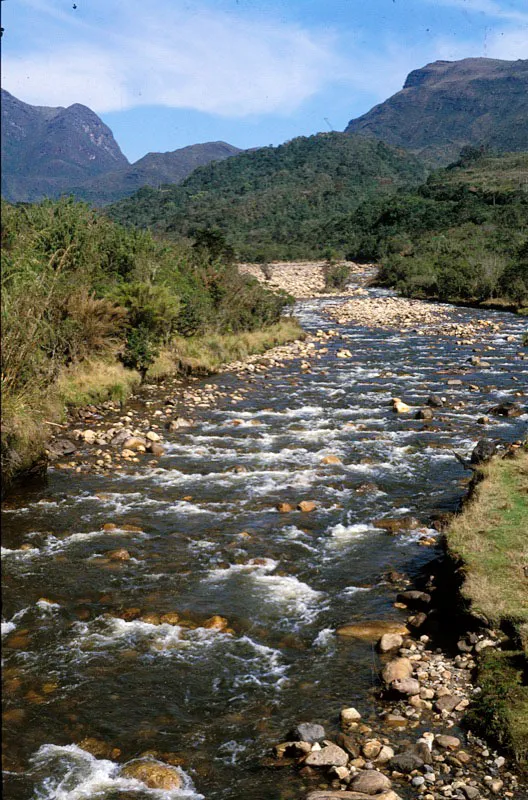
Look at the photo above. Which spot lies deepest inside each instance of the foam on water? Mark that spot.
(294, 597)
(11, 624)
(74, 774)
(342, 534)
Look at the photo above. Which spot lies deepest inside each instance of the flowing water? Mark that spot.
(74, 668)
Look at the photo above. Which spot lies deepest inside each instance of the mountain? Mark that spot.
(270, 202)
(46, 150)
(154, 169)
(449, 104)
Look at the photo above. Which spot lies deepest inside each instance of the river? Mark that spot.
(74, 668)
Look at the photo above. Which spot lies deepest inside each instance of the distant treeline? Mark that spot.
(461, 235)
(271, 202)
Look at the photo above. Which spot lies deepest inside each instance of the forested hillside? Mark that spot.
(463, 235)
(270, 202)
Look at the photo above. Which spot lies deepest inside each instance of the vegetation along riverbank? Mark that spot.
(88, 308)
(488, 542)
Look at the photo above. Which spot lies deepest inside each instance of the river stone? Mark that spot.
(393, 525)
(179, 422)
(153, 774)
(469, 792)
(121, 437)
(447, 703)
(447, 742)
(399, 407)
(284, 508)
(331, 460)
(308, 732)
(373, 630)
(61, 447)
(329, 794)
(384, 755)
(435, 401)
(414, 598)
(483, 451)
(390, 641)
(408, 686)
(156, 449)
(349, 715)
(371, 749)
(406, 762)
(119, 555)
(370, 782)
(306, 506)
(397, 670)
(134, 443)
(328, 756)
(508, 409)
(424, 413)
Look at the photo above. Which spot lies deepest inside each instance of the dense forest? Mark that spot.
(461, 235)
(270, 202)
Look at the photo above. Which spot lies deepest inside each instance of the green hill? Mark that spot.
(271, 201)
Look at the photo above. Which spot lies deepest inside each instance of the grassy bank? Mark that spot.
(88, 306)
(489, 540)
(28, 418)
(206, 354)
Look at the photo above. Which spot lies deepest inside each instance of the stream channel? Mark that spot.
(220, 701)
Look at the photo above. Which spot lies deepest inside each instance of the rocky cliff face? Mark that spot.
(45, 150)
(449, 104)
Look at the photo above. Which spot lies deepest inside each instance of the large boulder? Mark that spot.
(154, 774)
(397, 670)
(308, 732)
(328, 756)
(372, 630)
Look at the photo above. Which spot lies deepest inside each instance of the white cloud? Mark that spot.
(207, 61)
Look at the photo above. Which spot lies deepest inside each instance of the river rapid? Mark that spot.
(212, 701)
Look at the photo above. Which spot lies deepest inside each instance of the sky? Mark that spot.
(164, 74)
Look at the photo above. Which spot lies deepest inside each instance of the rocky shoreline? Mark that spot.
(406, 742)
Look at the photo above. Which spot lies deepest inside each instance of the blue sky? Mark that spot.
(167, 73)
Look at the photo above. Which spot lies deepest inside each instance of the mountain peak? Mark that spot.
(448, 104)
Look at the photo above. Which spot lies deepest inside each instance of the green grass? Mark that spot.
(501, 709)
(94, 381)
(207, 353)
(489, 538)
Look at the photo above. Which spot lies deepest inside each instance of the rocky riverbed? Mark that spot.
(228, 558)
(303, 279)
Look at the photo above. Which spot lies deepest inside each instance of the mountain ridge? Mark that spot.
(48, 152)
(447, 105)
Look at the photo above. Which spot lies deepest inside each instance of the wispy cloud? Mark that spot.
(207, 61)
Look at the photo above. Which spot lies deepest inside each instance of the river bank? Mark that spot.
(471, 682)
(186, 620)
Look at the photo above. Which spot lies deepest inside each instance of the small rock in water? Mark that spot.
(306, 506)
(370, 782)
(328, 756)
(308, 732)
